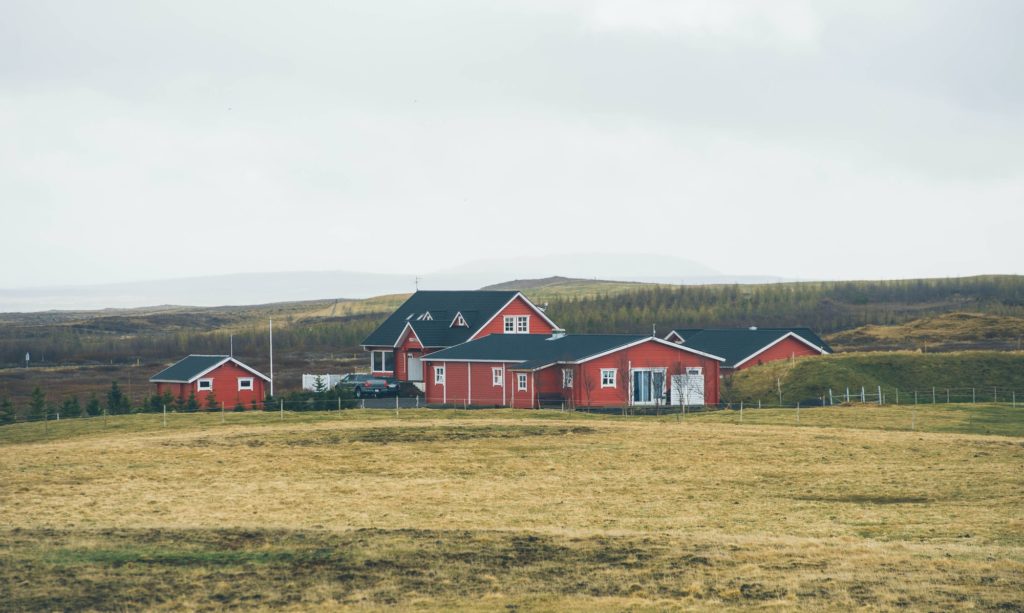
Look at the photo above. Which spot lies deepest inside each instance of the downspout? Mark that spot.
(469, 383)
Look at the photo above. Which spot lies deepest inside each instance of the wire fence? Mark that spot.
(883, 395)
(846, 397)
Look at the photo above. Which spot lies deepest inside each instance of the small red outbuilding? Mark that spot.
(230, 381)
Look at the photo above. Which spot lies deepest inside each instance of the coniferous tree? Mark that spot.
(117, 402)
(70, 407)
(93, 408)
(37, 404)
(211, 401)
(192, 405)
(7, 414)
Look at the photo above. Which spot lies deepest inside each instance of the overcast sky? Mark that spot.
(803, 139)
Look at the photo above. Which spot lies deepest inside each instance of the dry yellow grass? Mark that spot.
(502, 509)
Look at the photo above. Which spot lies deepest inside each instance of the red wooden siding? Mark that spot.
(225, 387)
(787, 348)
(471, 382)
(409, 345)
(646, 355)
(518, 306)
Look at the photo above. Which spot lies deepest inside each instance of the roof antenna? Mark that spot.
(417, 284)
(231, 346)
(654, 330)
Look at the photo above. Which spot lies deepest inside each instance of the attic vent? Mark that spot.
(556, 334)
(425, 317)
(411, 315)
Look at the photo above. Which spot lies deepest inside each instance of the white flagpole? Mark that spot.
(271, 357)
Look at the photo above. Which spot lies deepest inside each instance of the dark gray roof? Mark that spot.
(191, 367)
(184, 370)
(737, 344)
(532, 351)
(477, 307)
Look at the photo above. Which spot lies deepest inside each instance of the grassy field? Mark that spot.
(512, 509)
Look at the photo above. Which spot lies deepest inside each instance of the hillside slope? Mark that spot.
(946, 332)
(807, 379)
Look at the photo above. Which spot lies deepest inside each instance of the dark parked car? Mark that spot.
(368, 386)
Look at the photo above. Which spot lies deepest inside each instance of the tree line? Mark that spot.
(823, 306)
(116, 402)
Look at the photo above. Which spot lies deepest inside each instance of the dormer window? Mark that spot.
(425, 317)
(459, 321)
(517, 324)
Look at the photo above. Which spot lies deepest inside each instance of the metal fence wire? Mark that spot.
(847, 396)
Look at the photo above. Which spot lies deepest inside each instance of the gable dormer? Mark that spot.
(425, 317)
(459, 321)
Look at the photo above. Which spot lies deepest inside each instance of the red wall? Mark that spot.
(225, 388)
(517, 307)
(475, 386)
(645, 355)
(783, 350)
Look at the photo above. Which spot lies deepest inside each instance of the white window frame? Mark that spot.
(248, 380)
(610, 375)
(439, 375)
(498, 376)
(383, 361)
(522, 382)
(201, 388)
(566, 378)
(517, 324)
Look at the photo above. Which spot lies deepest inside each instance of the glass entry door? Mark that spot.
(648, 385)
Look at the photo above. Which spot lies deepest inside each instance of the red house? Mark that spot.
(595, 370)
(433, 320)
(230, 381)
(746, 347)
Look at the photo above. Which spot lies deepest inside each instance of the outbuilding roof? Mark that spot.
(192, 367)
(431, 314)
(738, 345)
(535, 351)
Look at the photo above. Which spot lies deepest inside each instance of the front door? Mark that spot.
(415, 372)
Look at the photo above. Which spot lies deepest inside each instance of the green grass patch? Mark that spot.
(958, 418)
(899, 373)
